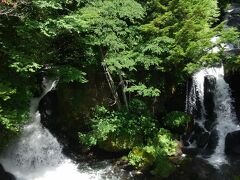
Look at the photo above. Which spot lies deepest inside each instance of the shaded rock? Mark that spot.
(197, 169)
(209, 125)
(200, 136)
(209, 88)
(235, 51)
(191, 151)
(48, 108)
(212, 142)
(232, 78)
(232, 143)
(234, 22)
(198, 128)
(203, 139)
(5, 175)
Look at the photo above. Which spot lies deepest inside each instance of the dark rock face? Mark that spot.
(191, 151)
(196, 169)
(209, 87)
(233, 15)
(234, 22)
(232, 79)
(203, 139)
(5, 175)
(48, 108)
(199, 169)
(213, 140)
(66, 110)
(232, 143)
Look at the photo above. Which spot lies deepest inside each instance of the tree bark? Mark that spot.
(110, 81)
(123, 86)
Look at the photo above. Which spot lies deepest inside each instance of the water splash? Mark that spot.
(37, 155)
(226, 119)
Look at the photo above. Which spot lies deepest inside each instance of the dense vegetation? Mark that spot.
(145, 49)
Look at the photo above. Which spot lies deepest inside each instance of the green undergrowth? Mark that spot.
(150, 146)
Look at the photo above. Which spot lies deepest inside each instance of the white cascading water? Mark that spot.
(37, 155)
(225, 115)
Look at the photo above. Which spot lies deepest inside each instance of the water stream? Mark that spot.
(37, 155)
(225, 120)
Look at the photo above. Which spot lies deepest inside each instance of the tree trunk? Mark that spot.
(111, 83)
(122, 84)
(112, 86)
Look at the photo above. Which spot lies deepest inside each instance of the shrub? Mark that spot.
(118, 130)
(177, 120)
(155, 155)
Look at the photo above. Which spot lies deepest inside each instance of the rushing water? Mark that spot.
(37, 155)
(226, 119)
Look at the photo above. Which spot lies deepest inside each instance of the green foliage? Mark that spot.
(163, 167)
(165, 142)
(68, 74)
(121, 129)
(142, 90)
(155, 155)
(6, 91)
(236, 177)
(147, 46)
(142, 157)
(177, 120)
(21, 67)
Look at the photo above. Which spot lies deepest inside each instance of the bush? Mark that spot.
(177, 120)
(155, 155)
(118, 130)
(134, 130)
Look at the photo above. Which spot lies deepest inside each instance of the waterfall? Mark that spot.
(225, 116)
(37, 155)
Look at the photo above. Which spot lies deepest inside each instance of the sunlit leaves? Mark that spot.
(53, 4)
(144, 91)
(68, 74)
(6, 91)
(22, 67)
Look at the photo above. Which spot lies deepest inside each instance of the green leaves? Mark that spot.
(144, 91)
(53, 4)
(118, 128)
(24, 68)
(155, 155)
(68, 74)
(6, 91)
(177, 119)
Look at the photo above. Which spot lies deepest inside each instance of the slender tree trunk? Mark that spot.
(111, 83)
(123, 86)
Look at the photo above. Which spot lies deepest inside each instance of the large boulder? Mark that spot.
(48, 108)
(232, 143)
(5, 175)
(203, 139)
(212, 142)
(209, 88)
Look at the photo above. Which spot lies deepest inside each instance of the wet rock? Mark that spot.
(209, 125)
(203, 139)
(234, 22)
(232, 78)
(232, 143)
(194, 169)
(213, 141)
(191, 151)
(200, 135)
(235, 51)
(48, 108)
(209, 88)
(5, 175)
